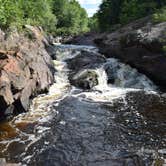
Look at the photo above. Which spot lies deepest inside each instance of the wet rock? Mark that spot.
(25, 69)
(85, 39)
(86, 79)
(81, 74)
(140, 44)
(85, 60)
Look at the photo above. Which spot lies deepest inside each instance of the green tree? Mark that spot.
(72, 19)
(20, 12)
(10, 13)
(93, 23)
(55, 16)
(134, 9)
(160, 15)
(112, 13)
(108, 13)
(38, 13)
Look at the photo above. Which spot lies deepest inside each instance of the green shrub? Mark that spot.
(160, 16)
(54, 16)
(135, 9)
(71, 17)
(114, 12)
(10, 13)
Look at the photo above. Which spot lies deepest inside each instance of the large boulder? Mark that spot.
(140, 44)
(81, 68)
(25, 69)
(86, 79)
(84, 39)
(85, 60)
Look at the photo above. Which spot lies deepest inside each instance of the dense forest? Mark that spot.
(65, 17)
(114, 13)
(55, 16)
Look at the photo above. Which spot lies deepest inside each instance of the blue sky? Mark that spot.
(90, 5)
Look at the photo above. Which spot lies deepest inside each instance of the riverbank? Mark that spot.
(26, 69)
(141, 44)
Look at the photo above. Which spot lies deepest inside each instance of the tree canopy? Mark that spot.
(55, 16)
(72, 18)
(65, 17)
(113, 12)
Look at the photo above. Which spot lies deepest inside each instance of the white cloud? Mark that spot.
(91, 6)
(93, 2)
(91, 11)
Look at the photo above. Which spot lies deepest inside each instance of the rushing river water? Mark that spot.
(118, 122)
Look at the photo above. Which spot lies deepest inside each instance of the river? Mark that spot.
(114, 117)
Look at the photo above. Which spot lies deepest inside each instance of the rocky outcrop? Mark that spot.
(25, 69)
(82, 74)
(86, 79)
(84, 39)
(140, 44)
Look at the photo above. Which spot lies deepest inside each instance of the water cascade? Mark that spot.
(118, 120)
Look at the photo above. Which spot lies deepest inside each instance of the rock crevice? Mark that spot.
(25, 69)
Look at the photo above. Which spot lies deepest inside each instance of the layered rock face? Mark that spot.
(140, 44)
(25, 69)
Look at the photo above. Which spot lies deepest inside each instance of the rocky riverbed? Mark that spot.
(141, 44)
(98, 112)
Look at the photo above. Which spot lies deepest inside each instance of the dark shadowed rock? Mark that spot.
(85, 60)
(84, 39)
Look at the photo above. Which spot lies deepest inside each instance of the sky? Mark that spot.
(91, 6)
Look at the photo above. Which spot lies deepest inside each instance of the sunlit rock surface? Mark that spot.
(26, 69)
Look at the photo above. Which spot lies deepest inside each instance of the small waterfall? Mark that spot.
(102, 78)
(119, 75)
(63, 52)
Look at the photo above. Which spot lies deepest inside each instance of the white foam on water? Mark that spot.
(40, 111)
(126, 77)
(70, 51)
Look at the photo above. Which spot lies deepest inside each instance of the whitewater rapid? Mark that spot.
(72, 126)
